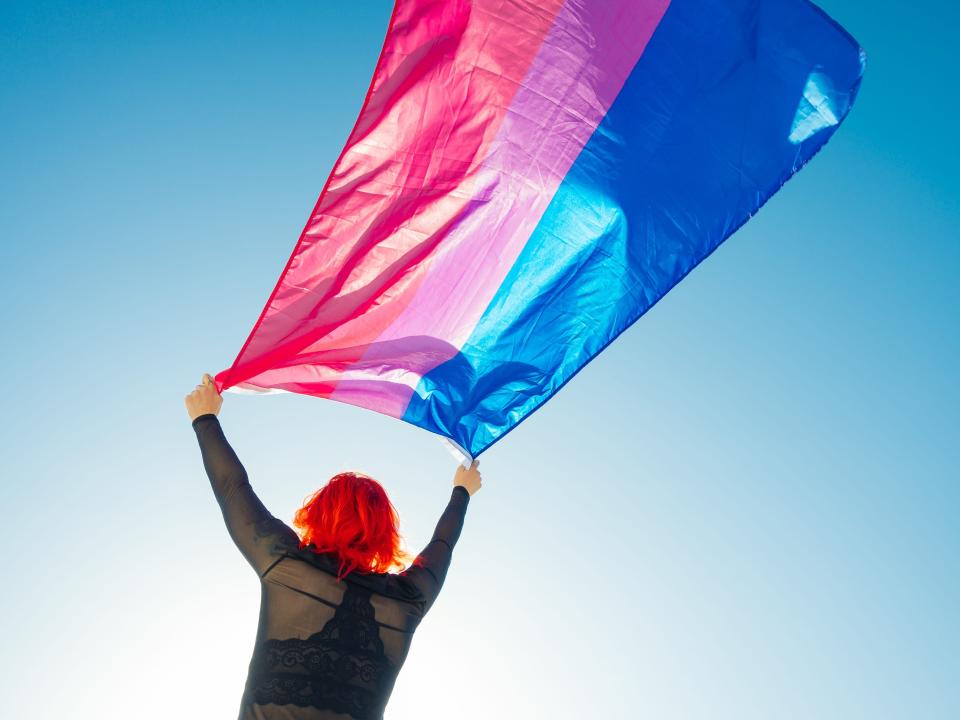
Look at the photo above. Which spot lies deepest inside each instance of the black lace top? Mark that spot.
(324, 648)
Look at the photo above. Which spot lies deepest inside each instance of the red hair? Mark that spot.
(352, 517)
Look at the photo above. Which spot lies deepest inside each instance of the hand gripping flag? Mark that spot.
(526, 179)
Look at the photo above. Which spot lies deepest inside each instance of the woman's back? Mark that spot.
(325, 643)
(325, 648)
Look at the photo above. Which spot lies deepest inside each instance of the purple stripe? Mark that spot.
(581, 67)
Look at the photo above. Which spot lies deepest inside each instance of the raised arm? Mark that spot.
(429, 569)
(259, 536)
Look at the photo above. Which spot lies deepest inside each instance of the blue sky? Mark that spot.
(745, 507)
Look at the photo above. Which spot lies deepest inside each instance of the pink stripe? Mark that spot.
(447, 73)
(564, 96)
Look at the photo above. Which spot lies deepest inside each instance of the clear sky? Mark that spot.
(746, 507)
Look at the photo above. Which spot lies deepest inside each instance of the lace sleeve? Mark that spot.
(429, 569)
(259, 536)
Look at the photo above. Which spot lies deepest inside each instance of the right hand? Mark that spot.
(468, 478)
(204, 399)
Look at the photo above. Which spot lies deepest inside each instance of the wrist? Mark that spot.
(203, 416)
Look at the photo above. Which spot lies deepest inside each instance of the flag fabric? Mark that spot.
(525, 179)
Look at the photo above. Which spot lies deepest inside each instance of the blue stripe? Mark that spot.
(729, 100)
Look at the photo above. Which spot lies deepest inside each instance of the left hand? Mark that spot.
(204, 399)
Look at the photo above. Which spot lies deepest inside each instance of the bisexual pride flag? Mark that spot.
(526, 178)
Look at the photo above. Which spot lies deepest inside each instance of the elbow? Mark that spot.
(229, 485)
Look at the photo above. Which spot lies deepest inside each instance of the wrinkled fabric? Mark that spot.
(524, 181)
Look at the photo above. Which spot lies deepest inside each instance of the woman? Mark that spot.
(335, 627)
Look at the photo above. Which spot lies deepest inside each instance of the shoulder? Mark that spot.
(405, 586)
(401, 587)
(277, 534)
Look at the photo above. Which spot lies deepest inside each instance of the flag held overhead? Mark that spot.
(523, 182)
